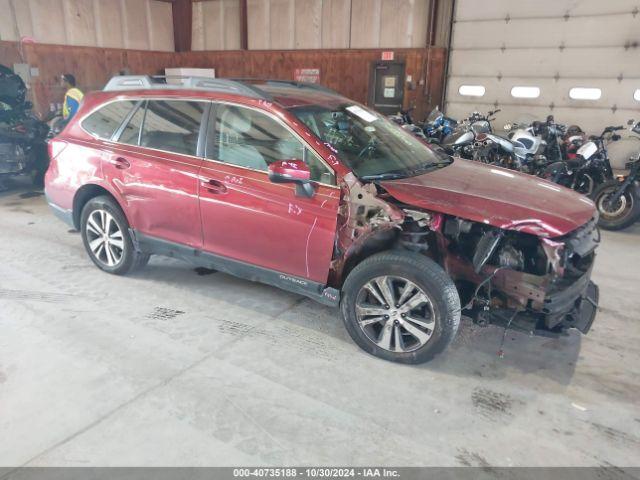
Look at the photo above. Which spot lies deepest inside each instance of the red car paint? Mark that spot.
(239, 214)
(495, 196)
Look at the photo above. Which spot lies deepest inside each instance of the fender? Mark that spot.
(88, 191)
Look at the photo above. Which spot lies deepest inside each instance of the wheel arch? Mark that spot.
(86, 193)
(376, 242)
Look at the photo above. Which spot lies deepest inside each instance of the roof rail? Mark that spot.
(290, 83)
(147, 82)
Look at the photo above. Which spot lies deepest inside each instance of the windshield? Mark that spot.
(372, 146)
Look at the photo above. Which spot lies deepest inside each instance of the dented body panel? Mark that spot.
(514, 245)
(495, 196)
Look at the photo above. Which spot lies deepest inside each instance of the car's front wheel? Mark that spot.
(106, 237)
(400, 306)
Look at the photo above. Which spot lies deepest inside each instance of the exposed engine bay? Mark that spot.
(504, 276)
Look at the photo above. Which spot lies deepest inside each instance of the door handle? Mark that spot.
(214, 186)
(121, 163)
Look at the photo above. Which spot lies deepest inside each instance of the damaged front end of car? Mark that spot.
(521, 280)
(518, 275)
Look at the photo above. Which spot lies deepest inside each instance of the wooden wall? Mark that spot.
(346, 71)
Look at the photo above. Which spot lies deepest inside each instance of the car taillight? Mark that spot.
(56, 147)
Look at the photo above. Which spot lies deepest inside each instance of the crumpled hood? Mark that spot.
(495, 196)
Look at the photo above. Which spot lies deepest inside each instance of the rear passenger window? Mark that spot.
(172, 125)
(131, 132)
(103, 122)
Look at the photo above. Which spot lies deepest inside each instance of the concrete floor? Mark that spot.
(168, 367)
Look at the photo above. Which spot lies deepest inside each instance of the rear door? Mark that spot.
(155, 166)
(248, 218)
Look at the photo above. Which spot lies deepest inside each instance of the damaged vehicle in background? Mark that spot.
(296, 186)
(23, 149)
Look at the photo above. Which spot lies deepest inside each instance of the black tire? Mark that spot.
(423, 273)
(129, 259)
(628, 206)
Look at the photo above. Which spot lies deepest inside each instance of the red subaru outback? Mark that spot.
(296, 186)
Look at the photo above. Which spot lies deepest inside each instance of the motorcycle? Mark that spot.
(572, 140)
(404, 119)
(552, 134)
(22, 135)
(437, 126)
(460, 141)
(618, 200)
(529, 148)
(589, 169)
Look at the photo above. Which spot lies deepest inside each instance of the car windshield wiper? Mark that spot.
(384, 176)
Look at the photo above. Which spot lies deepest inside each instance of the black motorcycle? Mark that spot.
(618, 200)
(23, 149)
(589, 169)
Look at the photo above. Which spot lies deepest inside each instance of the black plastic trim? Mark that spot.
(316, 291)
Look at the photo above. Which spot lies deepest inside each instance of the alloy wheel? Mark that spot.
(395, 314)
(105, 238)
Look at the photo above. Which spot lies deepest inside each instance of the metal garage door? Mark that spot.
(555, 46)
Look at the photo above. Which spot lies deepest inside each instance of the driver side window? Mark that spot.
(251, 139)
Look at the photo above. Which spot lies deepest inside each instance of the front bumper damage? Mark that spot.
(546, 310)
(549, 304)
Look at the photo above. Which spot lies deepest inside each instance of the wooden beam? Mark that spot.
(182, 24)
(244, 30)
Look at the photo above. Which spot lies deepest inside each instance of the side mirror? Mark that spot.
(293, 171)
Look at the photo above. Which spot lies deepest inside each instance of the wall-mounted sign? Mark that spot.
(387, 55)
(309, 75)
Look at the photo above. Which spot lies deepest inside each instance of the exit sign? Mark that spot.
(387, 55)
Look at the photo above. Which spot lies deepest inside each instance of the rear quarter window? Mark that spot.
(103, 122)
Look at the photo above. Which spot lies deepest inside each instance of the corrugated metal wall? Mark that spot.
(554, 45)
(132, 24)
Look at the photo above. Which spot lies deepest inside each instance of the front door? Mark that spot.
(387, 87)
(154, 166)
(246, 217)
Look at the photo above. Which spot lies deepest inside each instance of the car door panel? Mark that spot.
(265, 224)
(161, 193)
(160, 188)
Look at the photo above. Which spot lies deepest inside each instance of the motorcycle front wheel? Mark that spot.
(619, 214)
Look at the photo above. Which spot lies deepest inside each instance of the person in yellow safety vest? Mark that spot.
(72, 98)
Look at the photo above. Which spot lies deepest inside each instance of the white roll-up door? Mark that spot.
(554, 46)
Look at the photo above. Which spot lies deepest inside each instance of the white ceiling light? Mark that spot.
(472, 90)
(525, 92)
(583, 93)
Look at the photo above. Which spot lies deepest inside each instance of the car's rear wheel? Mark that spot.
(400, 306)
(106, 237)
